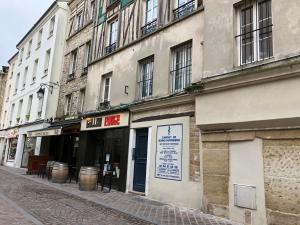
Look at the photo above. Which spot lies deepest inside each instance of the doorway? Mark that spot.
(140, 160)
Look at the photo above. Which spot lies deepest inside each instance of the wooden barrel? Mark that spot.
(60, 172)
(88, 178)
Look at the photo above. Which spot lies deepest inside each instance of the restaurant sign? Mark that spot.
(104, 122)
(168, 163)
(43, 133)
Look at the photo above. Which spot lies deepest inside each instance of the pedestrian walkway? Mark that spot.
(134, 205)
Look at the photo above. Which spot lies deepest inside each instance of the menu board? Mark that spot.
(168, 164)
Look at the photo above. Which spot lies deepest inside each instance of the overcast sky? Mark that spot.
(16, 18)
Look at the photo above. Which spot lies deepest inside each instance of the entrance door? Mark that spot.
(140, 160)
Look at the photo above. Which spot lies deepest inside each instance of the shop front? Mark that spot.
(164, 154)
(10, 147)
(104, 145)
(60, 141)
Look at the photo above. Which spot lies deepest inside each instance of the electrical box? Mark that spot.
(245, 196)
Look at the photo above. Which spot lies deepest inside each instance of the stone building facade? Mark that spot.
(3, 79)
(139, 62)
(74, 74)
(247, 111)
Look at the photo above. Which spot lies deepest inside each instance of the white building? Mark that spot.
(37, 68)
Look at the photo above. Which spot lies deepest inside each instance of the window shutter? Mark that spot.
(125, 3)
(101, 16)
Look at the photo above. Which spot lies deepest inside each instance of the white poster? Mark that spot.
(169, 152)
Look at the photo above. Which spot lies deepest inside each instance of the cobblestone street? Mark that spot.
(30, 200)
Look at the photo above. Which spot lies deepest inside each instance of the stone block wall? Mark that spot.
(281, 162)
(282, 181)
(73, 86)
(194, 151)
(216, 177)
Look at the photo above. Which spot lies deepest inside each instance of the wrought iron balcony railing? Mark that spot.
(111, 48)
(149, 28)
(184, 10)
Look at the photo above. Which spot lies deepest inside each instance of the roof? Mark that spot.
(37, 23)
(13, 57)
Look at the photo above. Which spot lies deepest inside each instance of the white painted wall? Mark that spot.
(246, 168)
(183, 193)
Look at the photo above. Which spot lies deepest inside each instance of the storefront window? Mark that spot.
(29, 148)
(12, 149)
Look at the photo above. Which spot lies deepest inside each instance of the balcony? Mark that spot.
(184, 10)
(111, 48)
(149, 28)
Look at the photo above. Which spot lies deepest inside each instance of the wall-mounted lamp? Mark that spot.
(41, 91)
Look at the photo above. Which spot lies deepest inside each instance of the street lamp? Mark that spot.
(41, 91)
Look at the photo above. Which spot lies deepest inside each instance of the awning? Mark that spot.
(56, 129)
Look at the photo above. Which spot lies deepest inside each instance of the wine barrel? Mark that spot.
(88, 177)
(60, 172)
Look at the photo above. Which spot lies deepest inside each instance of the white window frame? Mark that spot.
(68, 105)
(35, 69)
(29, 48)
(52, 25)
(113, 32)
(47, 61)
(79, 20)
(29, 105)
(25, 77)
(81, 100)
(256, 44)
(104, 86)
(73, 62)
(40, 36)
(150, 10)
(150, 66)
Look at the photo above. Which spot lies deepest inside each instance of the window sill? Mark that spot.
(69, 79)
(38, 47)
(28, 56)
(45, 75)
(50, 36)
(32, 83)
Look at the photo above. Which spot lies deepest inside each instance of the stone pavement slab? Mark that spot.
(131, 204)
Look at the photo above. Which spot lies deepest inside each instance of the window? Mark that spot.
(79, 20)
(35, 67)
(28, 111)
(81, 100)
(19, 110)
(51, 29)
(113, 37)
(40, 35)
(92, 10)
(72, 66)
(4, 119)
(145, 84)
(8, 93)
(181, 67)
(12, 111)
(151, 17)
(25, 77)
(184, 7)
(47, 60)
(40, 107)
(21, 55)
(86, 56)
(106, 88)
(17, 83)
(29, 48)
(68, 105)
(12, 71)
(255, 32)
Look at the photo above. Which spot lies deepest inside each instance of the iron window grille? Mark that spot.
(111, 48)
(255, 38)
(149, 28)
(184, 10)
(181, 67)
(145, 83)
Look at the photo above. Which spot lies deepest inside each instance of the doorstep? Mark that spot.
(130, 203)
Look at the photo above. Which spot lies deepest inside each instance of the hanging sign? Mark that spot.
(168, 164)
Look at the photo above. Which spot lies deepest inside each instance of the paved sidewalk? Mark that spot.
(137, 206)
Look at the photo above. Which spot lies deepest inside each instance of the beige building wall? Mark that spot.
(124, 63)
(220, 45)
(3, 80)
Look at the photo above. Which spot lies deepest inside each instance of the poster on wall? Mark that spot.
(169, 152)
